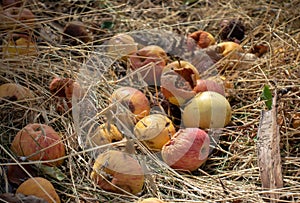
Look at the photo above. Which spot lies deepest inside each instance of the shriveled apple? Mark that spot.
(17, 19)
(154, 131)
(132, 99)
(76, 32)
(39, 187)
(207, 110)
(117, 171)
(151, 60)
(65, 89)
(39, 142)
(15, 92)
(218, 51)
(19, 45)
(209, 85)
(104, 134)
(121, 45)
(201, 38)
(178, 81)
(188, 149)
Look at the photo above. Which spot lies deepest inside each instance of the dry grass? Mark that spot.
(231, 174)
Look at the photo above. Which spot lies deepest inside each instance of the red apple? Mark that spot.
(39, 187)
(209, 85)
(150, 60)
(121, 45)
(17, 19)
(188, 149)
(133, 99)
(116, 171)
(39, 142)
(178, 81)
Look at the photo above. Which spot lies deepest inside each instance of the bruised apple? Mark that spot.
(15, 92)
(121, 45)
(39, 142)
(65, 89)
(116, 171)
(178, 81)
(154, 131)
(17, 19)
(188, 149)
(19, 45)
(207, 110)
(39, 187)
(150, 60)
(218, 51)
(76, 32)
(105, 134)
(201, 38)
(132, 99)
(209, 85)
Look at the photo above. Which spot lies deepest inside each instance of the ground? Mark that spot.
(231, 173)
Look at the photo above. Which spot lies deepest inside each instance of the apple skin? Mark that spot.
(207, 110)
(154, 58)
(39, 137)
(13, 91)
(177, 82)
(115, 168)
(32, 186)
(154, 131)
(209, 85)
(188, 149)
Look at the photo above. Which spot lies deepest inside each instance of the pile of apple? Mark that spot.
(201, 104)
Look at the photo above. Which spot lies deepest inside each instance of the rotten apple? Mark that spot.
(39, 187)
(209, 85)
(201, 38)
(17, 19)
(121, 45)
(105, 134)
(133, 100)
(19, 45)
(150, 60)
(15, 92)
(188, 149)
(39, 142)
(119, 172)
(154, 131)
(178, 81)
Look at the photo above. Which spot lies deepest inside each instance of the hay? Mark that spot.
(231, 173)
